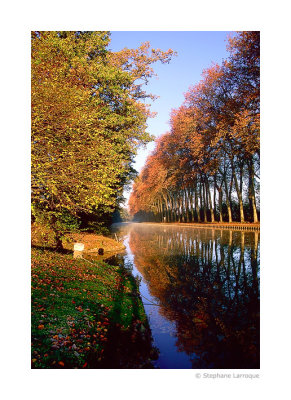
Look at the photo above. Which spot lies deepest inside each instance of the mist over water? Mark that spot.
(200, 289)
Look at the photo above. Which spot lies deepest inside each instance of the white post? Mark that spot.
(78, 250)
(79, 246)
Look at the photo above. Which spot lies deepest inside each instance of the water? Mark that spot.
(200, 289)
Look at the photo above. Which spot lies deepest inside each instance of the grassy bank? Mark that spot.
(42, 236)
(86, 315)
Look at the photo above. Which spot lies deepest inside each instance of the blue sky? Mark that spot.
(196, 51)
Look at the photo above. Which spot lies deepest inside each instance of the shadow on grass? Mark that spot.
(52, 249)
(129, 347)
(64, 307)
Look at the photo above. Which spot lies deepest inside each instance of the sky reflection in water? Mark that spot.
(206, 283)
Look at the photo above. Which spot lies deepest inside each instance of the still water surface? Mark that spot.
(200, 289)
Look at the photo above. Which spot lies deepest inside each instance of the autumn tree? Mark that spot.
(88, 119)
(210, 158)
(244, 74)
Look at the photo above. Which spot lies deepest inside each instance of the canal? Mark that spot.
(200, 289)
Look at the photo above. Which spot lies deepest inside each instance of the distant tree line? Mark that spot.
(206, 168)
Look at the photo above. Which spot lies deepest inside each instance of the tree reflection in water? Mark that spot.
(206, 282)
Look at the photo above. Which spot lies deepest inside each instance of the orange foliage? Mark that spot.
(213, 143)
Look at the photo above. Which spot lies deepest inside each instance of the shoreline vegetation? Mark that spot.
(86, 314)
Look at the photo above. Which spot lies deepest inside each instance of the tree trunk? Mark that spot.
(227, 201)
(174, 211)
(220, 204)
(197, 204)
(192, 206)
(57, 234)
(160, 212)
(186, 206)
(239, 194)
(214, 195)
(241, 171)
(58, 240)
(180, 209)
(166, 208)
(204, 201)
(252, 198)
(208, 194)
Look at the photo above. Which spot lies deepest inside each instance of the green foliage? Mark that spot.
(87, 120)
(60, 221)
(97, 227)
(67, 221)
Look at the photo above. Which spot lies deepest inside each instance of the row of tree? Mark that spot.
(88, 119)
(206, 168)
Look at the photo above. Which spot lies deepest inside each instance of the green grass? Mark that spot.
(83, 313)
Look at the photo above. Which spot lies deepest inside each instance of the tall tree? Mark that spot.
(212, 146)
(87, 121)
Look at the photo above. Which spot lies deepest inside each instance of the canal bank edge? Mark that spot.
(215, 225)
(86, 315)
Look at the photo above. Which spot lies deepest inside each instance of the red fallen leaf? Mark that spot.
(85, 365)
(40, 326)
(61, 363)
